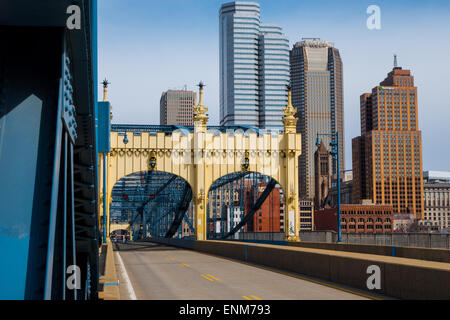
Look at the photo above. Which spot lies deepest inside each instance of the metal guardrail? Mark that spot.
(421, 240)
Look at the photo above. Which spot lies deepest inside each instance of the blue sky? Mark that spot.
(147, 47)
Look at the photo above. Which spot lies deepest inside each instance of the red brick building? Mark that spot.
(267, 218)
(356, 218)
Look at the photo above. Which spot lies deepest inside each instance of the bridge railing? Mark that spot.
(421, 240)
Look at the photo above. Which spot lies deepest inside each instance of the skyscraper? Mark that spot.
(176, 107)
(317, 93)
(387, 157)
(254, 68)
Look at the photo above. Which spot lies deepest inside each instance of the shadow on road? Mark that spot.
(142, 246)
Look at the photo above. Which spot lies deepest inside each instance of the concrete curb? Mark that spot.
(109, 279)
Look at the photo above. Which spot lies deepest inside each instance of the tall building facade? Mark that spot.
(437, 205)
(176, 107)
(317, 93)
(387, 157)
(254, 68)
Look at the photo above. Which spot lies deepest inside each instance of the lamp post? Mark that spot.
(335, 154)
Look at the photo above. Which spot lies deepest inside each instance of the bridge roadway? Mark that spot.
(159, 272)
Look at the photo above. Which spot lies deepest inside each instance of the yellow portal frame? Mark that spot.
(201, 157)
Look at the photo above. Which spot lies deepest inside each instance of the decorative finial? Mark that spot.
(200, 110)
(105, 89)
(289, 120)
(201, 85)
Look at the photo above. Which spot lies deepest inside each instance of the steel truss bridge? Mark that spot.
(201, 182)
(159, 204)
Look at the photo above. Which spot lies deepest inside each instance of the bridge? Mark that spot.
(154, 167)
(185, 197)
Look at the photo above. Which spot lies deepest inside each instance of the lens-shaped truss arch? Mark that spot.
(152, 204)
(244, 202)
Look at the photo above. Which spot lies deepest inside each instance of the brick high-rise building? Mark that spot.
(387, 157)
(177, 107)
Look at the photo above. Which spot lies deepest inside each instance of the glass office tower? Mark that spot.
(317, 93)
(254, 68)
(273, 76)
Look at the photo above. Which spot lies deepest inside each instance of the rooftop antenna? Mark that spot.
(395, 61)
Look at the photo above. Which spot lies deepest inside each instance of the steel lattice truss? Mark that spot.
(150, 202)
(156, 204)
(233, 200)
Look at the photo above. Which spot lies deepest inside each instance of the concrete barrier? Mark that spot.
(400, 277)
(109, 279)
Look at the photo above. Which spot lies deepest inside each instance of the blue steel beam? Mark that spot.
(37, 244)
(180, 212)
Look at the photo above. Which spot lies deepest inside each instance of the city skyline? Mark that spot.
(190, 210)
(138, 81)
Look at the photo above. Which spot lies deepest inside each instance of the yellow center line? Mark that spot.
(247, 298)
(211, 276)
(207, 278)
(256, 298)
(295, 276)
(186, 265)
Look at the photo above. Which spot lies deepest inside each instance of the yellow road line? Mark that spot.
(247, 298)
(211, 276)
(256, 298)
(207, 278)
(293, 275)
(186, 265)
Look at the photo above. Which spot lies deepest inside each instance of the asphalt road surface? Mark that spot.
(149, 271)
